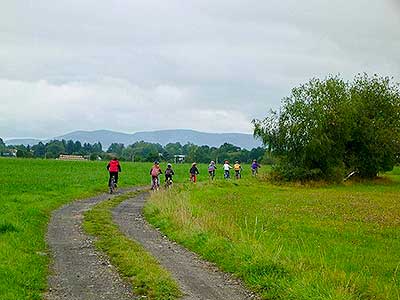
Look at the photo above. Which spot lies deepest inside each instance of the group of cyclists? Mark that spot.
(114, 167)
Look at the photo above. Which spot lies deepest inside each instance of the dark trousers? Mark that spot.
(115, 174)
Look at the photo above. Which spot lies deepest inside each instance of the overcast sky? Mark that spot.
(213, 66)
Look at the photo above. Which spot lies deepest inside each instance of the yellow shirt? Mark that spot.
(237, 167)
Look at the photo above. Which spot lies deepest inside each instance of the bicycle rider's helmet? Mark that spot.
(169, 165)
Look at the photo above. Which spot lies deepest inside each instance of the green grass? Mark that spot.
(133, 262)
(292, 242)
(29, 191)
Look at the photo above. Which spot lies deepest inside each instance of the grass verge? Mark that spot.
(148, 278)
(292, 242)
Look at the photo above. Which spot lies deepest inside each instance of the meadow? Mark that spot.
(292, 241)
(29, 191)
(284, 241)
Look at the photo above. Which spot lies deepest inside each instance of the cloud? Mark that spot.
(201, 62)
(108, 103)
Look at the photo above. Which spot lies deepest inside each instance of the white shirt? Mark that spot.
(227, 167)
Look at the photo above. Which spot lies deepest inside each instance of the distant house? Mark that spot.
(71, 157)
(179, 159)
(9, 153)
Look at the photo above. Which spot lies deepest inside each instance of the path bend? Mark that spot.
(77, 270)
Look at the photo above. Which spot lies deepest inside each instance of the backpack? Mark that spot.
(155, 171)
(113, 166)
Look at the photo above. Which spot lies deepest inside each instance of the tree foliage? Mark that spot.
(326, 128)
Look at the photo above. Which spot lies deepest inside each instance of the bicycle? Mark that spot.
(112, 185)
(238, 174)
(211, 175)
(168, 183)
(227, 174)
(154, 184)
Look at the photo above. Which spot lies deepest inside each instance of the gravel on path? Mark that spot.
(197, 279)
(78, 271)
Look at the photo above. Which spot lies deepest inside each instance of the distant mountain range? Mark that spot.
(163, 137)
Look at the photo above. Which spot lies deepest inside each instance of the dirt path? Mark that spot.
(78, 271)
(197, 278)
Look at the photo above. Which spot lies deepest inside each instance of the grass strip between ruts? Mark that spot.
(148, 278)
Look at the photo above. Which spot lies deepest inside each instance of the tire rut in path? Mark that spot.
(197, 279)
(78, 271)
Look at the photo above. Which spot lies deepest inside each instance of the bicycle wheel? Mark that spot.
(112, 185)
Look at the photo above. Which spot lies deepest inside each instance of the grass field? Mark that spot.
(292, 242)
(29, 191)
(286, 242)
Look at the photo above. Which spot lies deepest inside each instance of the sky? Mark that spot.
(212, 66)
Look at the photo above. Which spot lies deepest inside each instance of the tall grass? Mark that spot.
(292, 242)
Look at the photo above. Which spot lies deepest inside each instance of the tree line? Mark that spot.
(139, 151)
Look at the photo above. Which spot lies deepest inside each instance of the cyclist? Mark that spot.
(169, 172)
(238, 170)
(113, 168)
(254, 167)
(193, 172)
(227, 168)
(211, 169)
(155, 172)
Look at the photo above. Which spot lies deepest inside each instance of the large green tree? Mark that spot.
(39, 150)
(54, 149)
(374, 144)
(326, 128)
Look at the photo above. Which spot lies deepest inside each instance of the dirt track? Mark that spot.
(79, 272)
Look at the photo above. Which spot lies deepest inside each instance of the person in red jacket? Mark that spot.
(113, 168)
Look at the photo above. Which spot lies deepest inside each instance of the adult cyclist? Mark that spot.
(113, 167)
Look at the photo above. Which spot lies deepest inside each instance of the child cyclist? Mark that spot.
(238, 170)
(254, 167)
(113, 168)
(227, 168)
(211, 169)
(193, 173)
(155, 171)
(169, 172)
